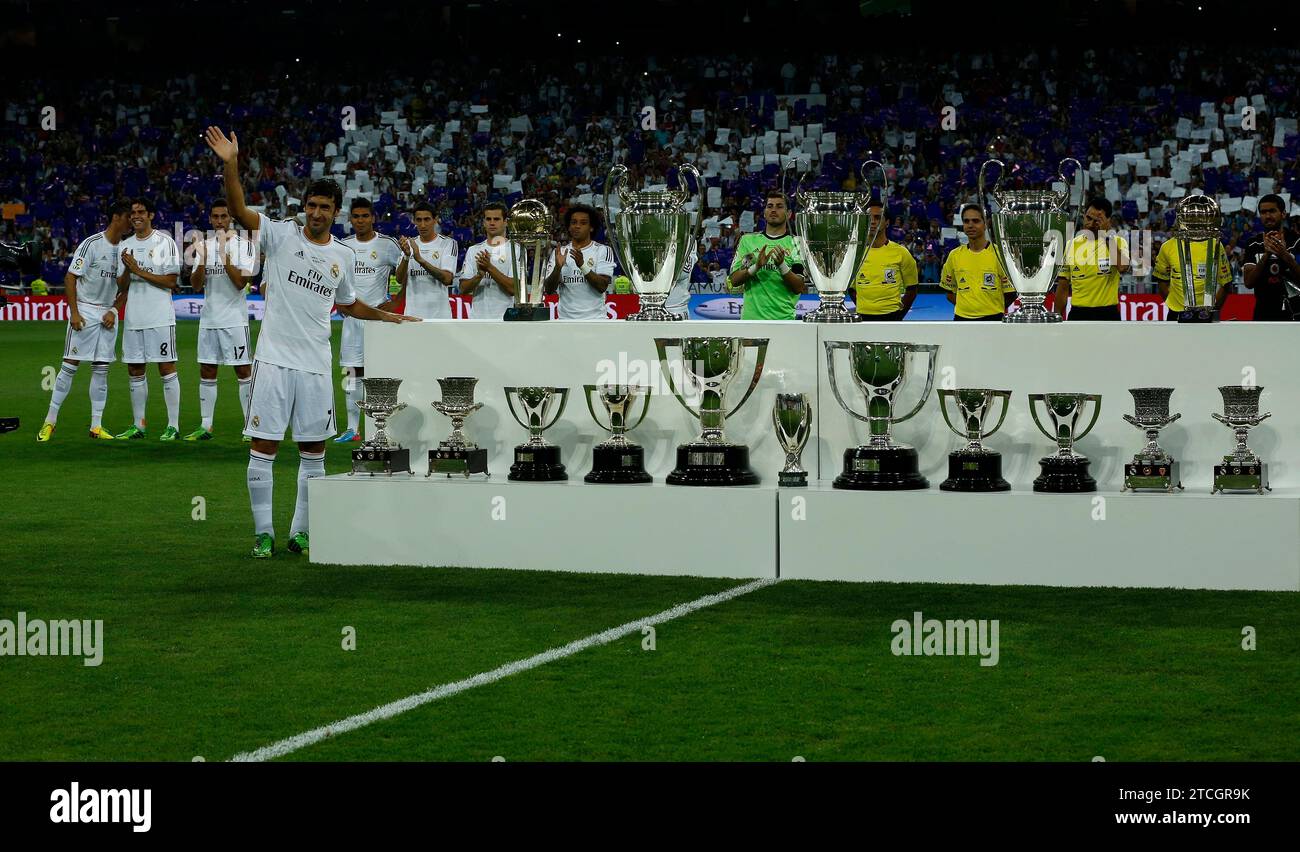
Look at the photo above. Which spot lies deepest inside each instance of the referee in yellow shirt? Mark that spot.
(1094, 261)
(975, 280)
(886, 284)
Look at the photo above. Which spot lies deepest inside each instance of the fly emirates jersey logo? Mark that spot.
(315, 274)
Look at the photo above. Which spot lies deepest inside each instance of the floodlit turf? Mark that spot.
(209, 653)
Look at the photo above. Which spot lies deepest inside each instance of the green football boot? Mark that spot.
(171, 433)
(199, 434)
(135, 433)
(298, 543)
(263, 546)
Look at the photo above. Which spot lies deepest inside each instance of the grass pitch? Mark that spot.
(209, 653)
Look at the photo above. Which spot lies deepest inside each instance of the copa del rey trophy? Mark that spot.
(1241, 470)
(529, 225)
(1027, 233)
(1152, 469)
(456, 454)
(653, 234)
(377, 455)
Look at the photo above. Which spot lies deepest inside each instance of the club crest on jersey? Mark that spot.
(334, 270)
(257, 421)
(374, 255)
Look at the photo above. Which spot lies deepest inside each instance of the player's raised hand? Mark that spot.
(761, 260)
(414, 246)
(484, 259)
(226, 149)
(129, 261)
(405, 245)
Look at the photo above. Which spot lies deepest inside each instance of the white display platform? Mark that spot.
(544, 526)
(1192, 540)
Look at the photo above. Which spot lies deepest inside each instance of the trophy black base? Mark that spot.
(1198, 315)
(1152, 476)
(712, 464)
(537, 464)
(877, 469)
(462, 461)
(1064, 476)
(792, 479)
(1241, 477)
(388, 460)
(974, 472)
(528, 313)
(618, 465)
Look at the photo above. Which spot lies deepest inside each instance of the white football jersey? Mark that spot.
(426, 296)
(96, 265)
(377, 259)
(578, 299)
(148, 306)
(223, 302)
(489, 300)
(303, 281)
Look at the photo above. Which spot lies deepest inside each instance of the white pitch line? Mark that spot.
(410, 702)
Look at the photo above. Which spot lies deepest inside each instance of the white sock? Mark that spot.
(172, 398)
(245, 394)
(261, 482)
(98, 394)
(355, 393)
(139, 396)
(310, 465)
(207, 401)
(62, 385)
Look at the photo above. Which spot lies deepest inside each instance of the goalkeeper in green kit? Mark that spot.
(767, 266)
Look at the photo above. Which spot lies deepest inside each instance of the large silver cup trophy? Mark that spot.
(710, 365)
(1197, 219)
(880, 370)
(653, 234)
(618, 460)
(457, 454)
(1066, 472)
(792, 418)
(537, 460)
(377, 454)
(1241, 470)
(529, 225)
(833, 232)
(1152, 469)
(1028, 234)
(974, 467)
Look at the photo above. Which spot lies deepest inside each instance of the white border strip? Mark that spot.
(395, 708)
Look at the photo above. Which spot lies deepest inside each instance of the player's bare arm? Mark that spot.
(228, 151)
(360, 310)
(199, 274)
(505, 282)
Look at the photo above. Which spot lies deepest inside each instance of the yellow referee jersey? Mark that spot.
(1092, 271)
(978, 280)
(886, 273)
(1168, 268)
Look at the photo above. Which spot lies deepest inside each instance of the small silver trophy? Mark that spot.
(537, 460)
(792, 417)
(1241, 470)
(974, 467)
(456, 454)
(377, 455)
(1152, 469)
(1066, 472)
(618, 460)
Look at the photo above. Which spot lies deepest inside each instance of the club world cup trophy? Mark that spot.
(1066, 472)
(1152, 469)
(618, 460)
(1198, 220)
(377, 455)
(974, 467)
(1027, 233)
(710, 365)
(457, 455)
(792, 417)
(1241, 470)
(529, 225)
(880, 371)
(653, 234)
(833, 233)
(537, 460)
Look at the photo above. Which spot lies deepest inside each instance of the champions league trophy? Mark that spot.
(1198, 220)
(536, 460)
(1241, 470)
(653, 235)
(973, 467)
(529, 225)
(1152, 469)
(792, 417)
(618, 460)
(457, 455)
(880, 370)
(1027, 233)
(710, 364)
(833, 232)
(376, 455)
(1067, 471)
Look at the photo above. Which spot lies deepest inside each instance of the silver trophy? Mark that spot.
(537, 460)
(1241, 470)
(833, 232)
(1066, 472)
(710, 365)
(653, 234)
(618, 460)
(1152, 469)
(529, 225)
(1027, 233)
(974, 467)
(792, 417)
(377, 455)
(880, 370)
(456, 454)
(1198, 220)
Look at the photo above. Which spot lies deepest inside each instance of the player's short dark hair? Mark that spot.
(146, 203)
(325, 188)
(497, 205)
(218, 202)
(1103, 204)
(875, 202)
(974, 207)
(593, 215)
(361, 204)
(424, 207)
(120, 207)
(775, 193)
(1271, 198)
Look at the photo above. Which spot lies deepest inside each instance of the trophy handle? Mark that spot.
(943, 409)
(831, 347)
(661, 346)
(1006, 404)
(1174, 417)
(799, 194)
(510, 393)
(792, 164)
(1002, 167)
(617, 176)
(690, 169)
(1069, 192)
(588, 391)
(1219, 417)
(933, 350)
(884, 180)
(761, 344)
(645, 408)
(1033, 412)
(564, 400)
(1096, 412)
